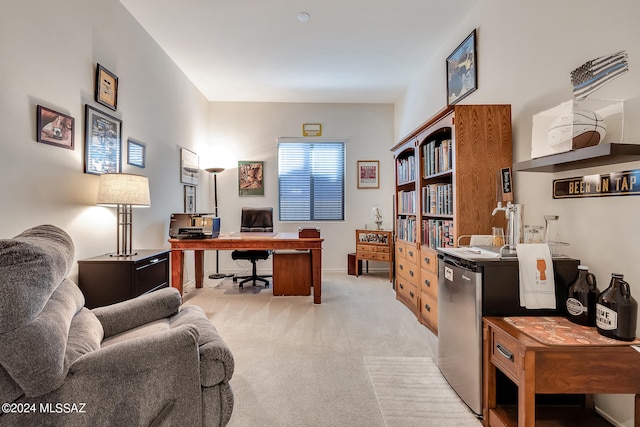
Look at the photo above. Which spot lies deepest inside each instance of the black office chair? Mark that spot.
(254, 220)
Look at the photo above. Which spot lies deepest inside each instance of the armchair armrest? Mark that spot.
(138, 311)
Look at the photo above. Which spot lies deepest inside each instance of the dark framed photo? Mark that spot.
(462, 70)
(103, 142)
(106, 88)
(250, 178)
(189, 167)
(136, 153)
(368, 174)
(54, 128)
(189, 199)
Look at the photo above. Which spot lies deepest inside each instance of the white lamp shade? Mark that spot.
(123, 189)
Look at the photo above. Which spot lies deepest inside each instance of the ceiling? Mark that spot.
(360, 51)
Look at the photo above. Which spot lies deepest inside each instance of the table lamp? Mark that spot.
(215, 172)
(125, 191)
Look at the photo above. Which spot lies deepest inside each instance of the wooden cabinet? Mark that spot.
(375, 245)
(446, 186)
(109, 279)
(540, 369)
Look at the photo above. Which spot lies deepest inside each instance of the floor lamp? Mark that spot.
(215, 172)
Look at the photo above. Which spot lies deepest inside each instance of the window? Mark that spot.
(311, 179)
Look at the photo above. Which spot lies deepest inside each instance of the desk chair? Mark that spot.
(254, 220)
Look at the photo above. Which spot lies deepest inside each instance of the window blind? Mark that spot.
(311, 180)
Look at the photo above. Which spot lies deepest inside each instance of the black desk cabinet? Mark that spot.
(109, 279)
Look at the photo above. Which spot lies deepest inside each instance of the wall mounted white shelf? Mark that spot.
(598, 155)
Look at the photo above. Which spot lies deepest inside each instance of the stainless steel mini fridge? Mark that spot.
(471, 286)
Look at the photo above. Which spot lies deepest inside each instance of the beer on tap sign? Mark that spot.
(625, 183)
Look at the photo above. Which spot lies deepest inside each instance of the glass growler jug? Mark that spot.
(581, 298)
(617, 310)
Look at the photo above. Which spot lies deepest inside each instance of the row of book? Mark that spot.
(406, 169)
(437, 157)
(437, 199)
(406, 229)
(438, 233)
(407, 202)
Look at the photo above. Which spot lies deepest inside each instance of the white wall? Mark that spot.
(526, 51)
(49, 53)
(250, 131)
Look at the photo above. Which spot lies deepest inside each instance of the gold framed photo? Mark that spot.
(106, 88)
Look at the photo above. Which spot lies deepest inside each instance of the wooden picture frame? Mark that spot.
(55, 128)
(189, 167)
(136, 153)
(103, 142)
(462, 70)
(106, 88)
(250, 178)
(190, 199)
(368, 173)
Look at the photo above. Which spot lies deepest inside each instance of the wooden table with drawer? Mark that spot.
(538, 368)
(375, 245)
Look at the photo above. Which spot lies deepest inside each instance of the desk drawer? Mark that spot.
(507, 354)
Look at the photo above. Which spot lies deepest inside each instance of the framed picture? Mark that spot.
(462, 70)
(368, 174)
(189, 199)
(103, 139)
(189, 167)
(54, 128)
(136, 152)
(250, 178)
(106, 88)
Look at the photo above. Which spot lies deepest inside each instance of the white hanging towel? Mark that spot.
(537, 285)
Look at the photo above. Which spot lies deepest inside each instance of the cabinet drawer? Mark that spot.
(366, 255)
(429, 283)
(412, 253)
(401, 249)
(151, 274)
(364, 248)
(507, 354)
(382, 249)
(407, 269)
(429, 260)
(408, 291)
(380, 256)
(429, 308)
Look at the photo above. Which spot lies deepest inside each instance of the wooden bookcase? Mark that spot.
(446, 186)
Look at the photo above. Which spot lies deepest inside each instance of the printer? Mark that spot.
(194, 226)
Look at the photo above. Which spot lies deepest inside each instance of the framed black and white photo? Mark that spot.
(462, 72)
(136, 153)
(103, 142)
(189, 167)
(189, 199)
(55, 128)
(106, 88)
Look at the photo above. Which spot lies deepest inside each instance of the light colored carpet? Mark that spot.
(411, 391)
(302, 364)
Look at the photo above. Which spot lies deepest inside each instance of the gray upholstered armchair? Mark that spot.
(146, 361)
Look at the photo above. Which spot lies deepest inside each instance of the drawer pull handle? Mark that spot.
(400, 249)
(411, 273)
(427, 307)
(153, 261)
(504, 352)
(427, 260)
(410, 253)
(401, 286)
(411, 294)
(427, 282)
(401, 267)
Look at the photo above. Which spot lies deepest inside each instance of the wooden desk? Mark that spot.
(245, 241)
(551, 369)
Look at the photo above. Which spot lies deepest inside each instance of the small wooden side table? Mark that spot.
(375, 245)
(538, 368)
